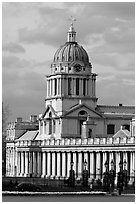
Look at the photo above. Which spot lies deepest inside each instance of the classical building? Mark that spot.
(73, 128)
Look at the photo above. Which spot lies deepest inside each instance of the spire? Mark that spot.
(71, 31)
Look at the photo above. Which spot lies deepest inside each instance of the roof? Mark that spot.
(126, 110)
(122, 133)
(29, 135)
(78, 106)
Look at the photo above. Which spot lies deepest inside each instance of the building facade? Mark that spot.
(74, 128)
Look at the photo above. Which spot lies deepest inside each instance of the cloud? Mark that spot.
(13, 62)
(13, 47)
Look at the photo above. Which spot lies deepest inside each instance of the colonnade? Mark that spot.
(56, 164)
(68, 86)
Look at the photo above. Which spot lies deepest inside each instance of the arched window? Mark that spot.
(110, 129)
(50, 123)
(77, 86)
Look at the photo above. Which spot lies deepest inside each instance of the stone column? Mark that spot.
(30, 163)
(81, 87)
(18, 163)
(79, 164)
(117, 165)
(47, 88)
(22, 163)
(68, 163)
(63, 164)
(43, 164)
(98, 165)
(48, 164)
(53, 164)
(74, 88)
(39, 163)
(92, 163)
(58, 164)
(34, 164)
(104, 160)
(26, 163)
(87, 88)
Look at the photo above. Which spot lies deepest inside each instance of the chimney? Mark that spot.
(19, 120)
(33, 118)
(120, 104)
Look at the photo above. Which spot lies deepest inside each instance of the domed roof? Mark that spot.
(71, 51)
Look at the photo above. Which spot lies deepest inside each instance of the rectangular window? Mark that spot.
(77, 87)
(84, 87)
(69, 86)
(110, 129)
(55, 88)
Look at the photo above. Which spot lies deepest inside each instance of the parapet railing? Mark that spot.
(78, 141)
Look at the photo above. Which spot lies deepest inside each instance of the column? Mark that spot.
(90, 87)
(98, 165)
(58, 164)
(80, 164)
(53, 164)
(81, 87)
(92, 163)
(75, 161)
(26, 163)
(43, 164)
(47, 88)
(74, 86)
(63, 164)
(58, 86)
(110, 159)
(68, 163)
(30, 163)
(43, 127)
(34, 163)
(117, 165)
(18, 163)
(104, 160)
(87, 88)
(39, 163)
(48, 164)
(22, 163)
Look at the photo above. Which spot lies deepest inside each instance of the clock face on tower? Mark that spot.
(77, 68)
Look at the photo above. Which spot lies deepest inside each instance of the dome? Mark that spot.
(69, 52)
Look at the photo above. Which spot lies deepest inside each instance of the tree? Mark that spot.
(5, 115)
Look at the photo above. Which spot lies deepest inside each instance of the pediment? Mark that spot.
(75, 111)
(49, 110)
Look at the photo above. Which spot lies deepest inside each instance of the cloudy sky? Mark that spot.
(32, 32)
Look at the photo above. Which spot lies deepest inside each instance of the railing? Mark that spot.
(78, 141)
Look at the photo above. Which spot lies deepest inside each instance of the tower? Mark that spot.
(71, 80)
(70, 84)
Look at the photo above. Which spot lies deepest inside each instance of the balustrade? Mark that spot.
(77, 141)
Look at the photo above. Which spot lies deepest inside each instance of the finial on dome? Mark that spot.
(71, 32)
(72, 19)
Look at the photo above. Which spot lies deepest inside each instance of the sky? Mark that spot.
(32, 32)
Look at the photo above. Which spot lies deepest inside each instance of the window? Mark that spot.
(126, 127)
(77, 87)
(55, 87)
(90, 133)
(110, 129)
(54, 126)
(84, 87)
(69, 86)
(50, 123)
